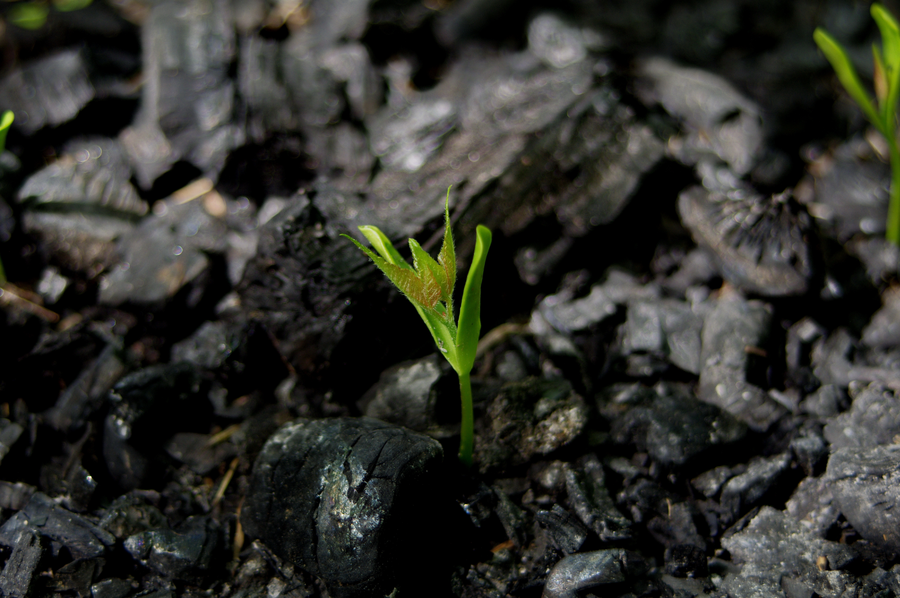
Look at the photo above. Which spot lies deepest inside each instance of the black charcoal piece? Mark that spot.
(49, 91)
(563, 529)
(578, 572)
(761, 243)
(406, 394)
(175, 553)
(41, 515)
(873, 419)
(674, 427)
(733, 348)
(346, 500)
(774, 549)
(744, 491)
(21, 566)
(146, 408)
(528, 418)
(588, 496)
(813, 505)
(665, 327)
(865, 483)
(719, 122)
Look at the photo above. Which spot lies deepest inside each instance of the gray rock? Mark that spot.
(673, 426)
(709, 483)
(864, 483)
(341, 498)
(560, 43)
(775, 550)
(719, 121)
(827, 401)
(588, 570)
(733, 329)
(530, 418)
(49, 91)
(809, 450)
(406, 394)
(873, 419)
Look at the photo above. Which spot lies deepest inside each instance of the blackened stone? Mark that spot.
(76, 576)
(864, 482)
(21, 567)
(733, 326)
(175, 554)
(49, 91)
(579, 572)
(676, 527)
(775, 548)
(42, 516)
(141, 417)
(346, 500)
(744, 491)
(873, 419)
(673, 427)
(533, 417)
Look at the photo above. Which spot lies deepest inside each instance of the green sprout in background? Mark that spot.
(428, 284)
(33, 14)
(887, 90)
(6, 119)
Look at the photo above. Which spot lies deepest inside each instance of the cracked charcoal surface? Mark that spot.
(327, 496)
(864, 485)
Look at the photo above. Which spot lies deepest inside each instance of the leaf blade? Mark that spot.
(469, 326)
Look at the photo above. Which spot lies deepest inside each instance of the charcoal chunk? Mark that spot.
(343, 499)
(21, 567)
(873, 419)
(864, 483)
(588, 570)
(173, 553)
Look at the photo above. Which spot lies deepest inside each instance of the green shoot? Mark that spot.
(6, 119)
(428, 284)
(887, 91)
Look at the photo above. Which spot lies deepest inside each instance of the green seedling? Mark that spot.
(887, 90)
(6, 119)
(428, 284)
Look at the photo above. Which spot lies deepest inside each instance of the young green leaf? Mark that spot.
(890, 58)
(470, 309)
(847, 76)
